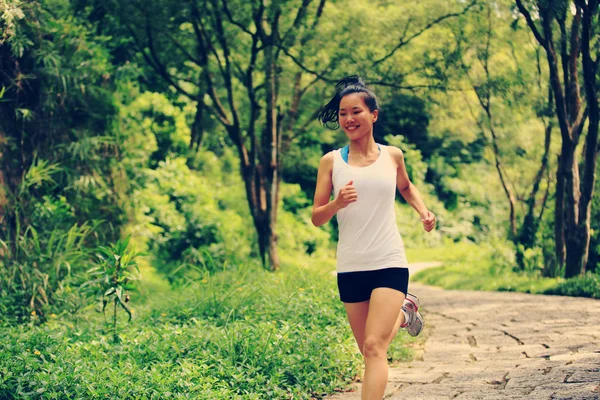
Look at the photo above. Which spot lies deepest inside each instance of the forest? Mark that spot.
(158, 163)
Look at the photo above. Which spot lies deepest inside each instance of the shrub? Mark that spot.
(36, 271)
(582, 286)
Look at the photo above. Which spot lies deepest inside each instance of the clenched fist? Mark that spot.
(346, 195)
(428, 219)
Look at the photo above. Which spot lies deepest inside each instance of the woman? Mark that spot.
(371, 262)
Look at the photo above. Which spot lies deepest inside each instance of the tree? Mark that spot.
(493, 70)
(565, 30)
(226, 56)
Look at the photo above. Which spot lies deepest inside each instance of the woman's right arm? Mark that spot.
(324, 209)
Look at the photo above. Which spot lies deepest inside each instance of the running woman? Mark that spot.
(372, 271)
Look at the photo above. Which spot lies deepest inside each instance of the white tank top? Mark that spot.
(368, 235)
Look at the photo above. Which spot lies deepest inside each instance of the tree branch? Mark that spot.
(227, 75)
(183, 49)
(591, 91)
(419, 33)
(155, 64)
(258, 17)
(233, 21)
(572, 90)
(318, 15)
(559, 96)
(531, 23)
(203, 36)
(300, 15)
(203, 43)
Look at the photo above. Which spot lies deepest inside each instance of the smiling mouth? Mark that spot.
(351, 128)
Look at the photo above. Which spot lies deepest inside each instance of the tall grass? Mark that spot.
(242, 333)
(35, 270)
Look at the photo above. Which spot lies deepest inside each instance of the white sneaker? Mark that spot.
(411, 301)
(414, 324)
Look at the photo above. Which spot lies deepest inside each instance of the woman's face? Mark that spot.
(355, 117)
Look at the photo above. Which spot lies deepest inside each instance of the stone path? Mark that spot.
(487, 345)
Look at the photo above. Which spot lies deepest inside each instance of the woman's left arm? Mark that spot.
(409, 191)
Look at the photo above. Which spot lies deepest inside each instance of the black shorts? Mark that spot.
(357, 286)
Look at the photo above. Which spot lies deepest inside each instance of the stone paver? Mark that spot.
(487, 345)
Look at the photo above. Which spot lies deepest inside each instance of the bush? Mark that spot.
(37, 269)
(585, 286)
(295, 231)
(187, 223)
(468, 266)
(58, 151)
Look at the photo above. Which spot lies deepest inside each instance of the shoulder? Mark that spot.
(396, 154)
(327, 160)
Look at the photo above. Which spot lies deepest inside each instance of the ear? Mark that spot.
(375, 115)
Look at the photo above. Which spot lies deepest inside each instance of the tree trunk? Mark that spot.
(559, 216)
(197, 129)
(257, 188)
(573, 238)
(578, 245)
(270, 144)
(530, 225)
(591, 144)
(3, 189)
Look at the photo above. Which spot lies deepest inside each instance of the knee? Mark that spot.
(374, 347)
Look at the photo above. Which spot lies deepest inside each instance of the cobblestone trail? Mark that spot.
(488, 345)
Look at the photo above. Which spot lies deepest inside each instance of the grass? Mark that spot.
(238, 334)
(468, 266)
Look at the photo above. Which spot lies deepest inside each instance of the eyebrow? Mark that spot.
(352, 108)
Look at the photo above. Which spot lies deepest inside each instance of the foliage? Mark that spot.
(56, 184)
(243, 334)
(191, 211)
(36, 272)
(187, 223)
(111, 278)
(186, 210)
(296, 232)
(492, 267)
(91, 131)
(581, 286)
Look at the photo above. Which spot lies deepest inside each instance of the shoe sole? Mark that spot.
(422, 326)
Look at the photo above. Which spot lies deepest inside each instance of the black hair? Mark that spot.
(350, 84)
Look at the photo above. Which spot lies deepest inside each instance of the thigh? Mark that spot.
(357, 316)
(384, 309)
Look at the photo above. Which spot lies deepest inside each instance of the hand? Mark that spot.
(428, 219)
(346, 196)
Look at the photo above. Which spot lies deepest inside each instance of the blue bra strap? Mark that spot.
(346, 149)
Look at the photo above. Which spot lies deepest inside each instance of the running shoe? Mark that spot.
(415, 322)
(411, 302)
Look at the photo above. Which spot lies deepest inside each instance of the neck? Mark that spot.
(364, 146)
